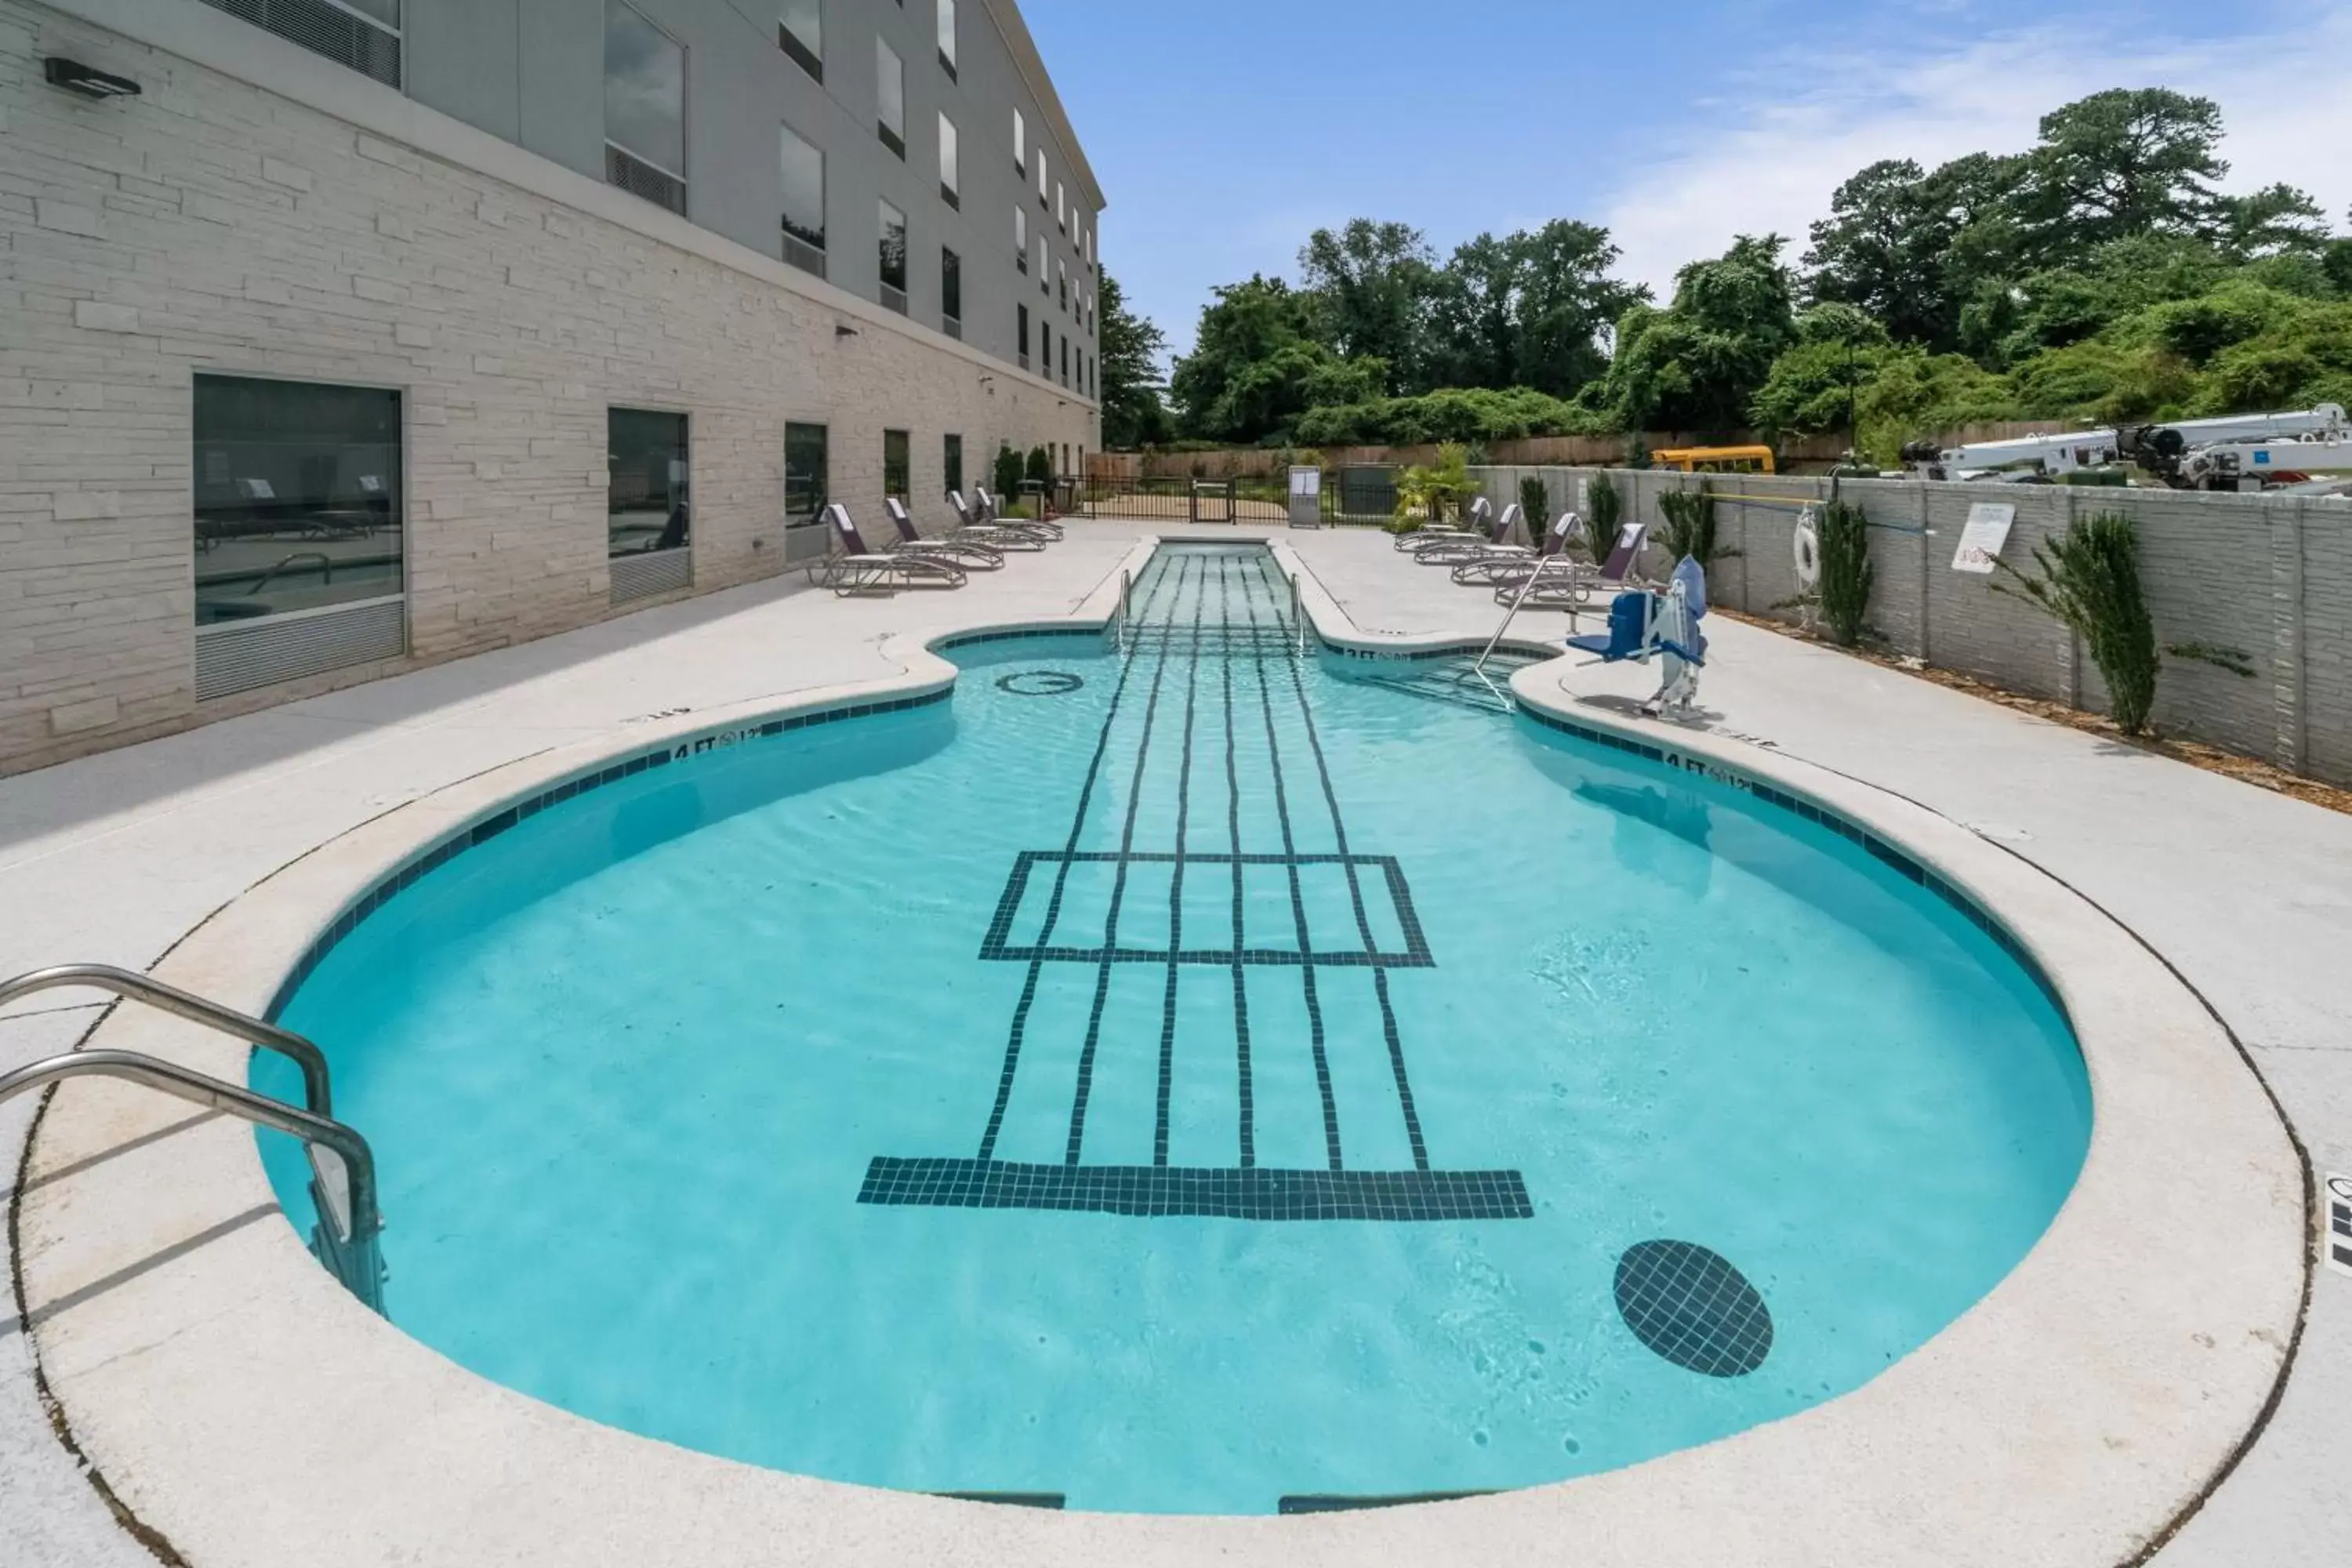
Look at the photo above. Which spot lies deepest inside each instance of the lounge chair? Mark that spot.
(1458, 552)
(1665, 626)
(967, 554)
(1476, 524)
(1562, 582)
(978, 527)
(1513, 564)
(853, 568)
(991, 515)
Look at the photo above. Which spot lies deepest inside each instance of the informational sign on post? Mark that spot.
(1305, 497)
(1982, 540)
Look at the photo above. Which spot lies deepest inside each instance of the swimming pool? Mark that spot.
(1185, 1080)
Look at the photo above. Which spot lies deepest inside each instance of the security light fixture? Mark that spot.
(87, 80)
(843, 330)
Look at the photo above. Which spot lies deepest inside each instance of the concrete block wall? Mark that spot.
(208, 225)
(2264, 579)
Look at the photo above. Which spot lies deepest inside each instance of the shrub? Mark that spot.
(1534, 500)
(1846, 571)
(1041, 466)
(1605, 508)
(2090, 583)
(1007, 480)
(1690, 526)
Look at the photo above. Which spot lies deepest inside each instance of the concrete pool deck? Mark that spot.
(116, 857)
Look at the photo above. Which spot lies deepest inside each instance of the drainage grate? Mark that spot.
(1041, 683)
(1693, 1308)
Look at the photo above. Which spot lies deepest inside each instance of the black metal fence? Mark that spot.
(1350, 497)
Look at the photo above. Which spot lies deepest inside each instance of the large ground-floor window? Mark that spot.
(648, 507)
(951, 457)
(298, 497)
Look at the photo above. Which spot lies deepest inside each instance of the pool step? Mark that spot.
(1454, 680)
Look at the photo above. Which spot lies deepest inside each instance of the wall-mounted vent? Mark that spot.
(239, 655)
(800, 253)
(364, 35)
(639, 178)
(894, 298)
(643, 576)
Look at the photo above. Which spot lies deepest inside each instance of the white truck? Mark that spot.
(2245, 451)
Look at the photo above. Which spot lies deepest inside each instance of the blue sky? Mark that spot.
(1224, 130)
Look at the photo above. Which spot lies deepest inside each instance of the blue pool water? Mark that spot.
(894, 1101)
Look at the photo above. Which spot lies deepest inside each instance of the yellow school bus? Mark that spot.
(1717, 459)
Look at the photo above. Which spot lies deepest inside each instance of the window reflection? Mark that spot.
(898, 465)
(298, 497)
(648, 507)
(806, 462)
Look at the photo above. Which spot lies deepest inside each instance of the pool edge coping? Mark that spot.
(307, 1305)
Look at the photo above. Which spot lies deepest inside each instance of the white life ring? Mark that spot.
(1808, 550)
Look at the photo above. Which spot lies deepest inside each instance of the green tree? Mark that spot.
(1134, 414)
(1527, 310)
(2123, 162)
(1371, 283)
(1256, 365)
(1816, 386)
(1696, 364)
(1911, 247)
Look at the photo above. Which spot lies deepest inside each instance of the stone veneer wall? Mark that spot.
(210, 226)
(2267, 577)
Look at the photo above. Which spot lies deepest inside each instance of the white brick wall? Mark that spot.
(206, 226)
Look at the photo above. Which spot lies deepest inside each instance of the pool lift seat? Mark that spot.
(1664, 627)
(347, 1238)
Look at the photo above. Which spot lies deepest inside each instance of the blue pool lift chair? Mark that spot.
(1664, 627)
(855, 568)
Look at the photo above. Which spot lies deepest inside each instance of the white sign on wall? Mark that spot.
(1307, 482)
(1981, 540)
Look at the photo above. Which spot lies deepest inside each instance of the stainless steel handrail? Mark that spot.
(1298, 619)
(1126, 606)
(317, 1094)
(341, 1164)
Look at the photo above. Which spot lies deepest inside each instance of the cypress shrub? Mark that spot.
(2090, 581)
(1690, 526)
(1846, 571)
(1534, 500)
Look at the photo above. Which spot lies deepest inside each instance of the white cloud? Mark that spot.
(1769, 166)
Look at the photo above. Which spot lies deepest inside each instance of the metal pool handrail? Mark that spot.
(341, 1164)
(1298, 619)
(317, 1094)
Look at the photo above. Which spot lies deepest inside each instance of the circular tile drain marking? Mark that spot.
(1692, 1306)
(1040, 683)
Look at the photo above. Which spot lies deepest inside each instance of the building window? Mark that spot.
(890, 79)
(948, 37)
(952, 293)
(1021, 237)
(1022, 342)
(646, 509)
(800, 29)
(806, 464)
(1045, 278)
(644, 109)
(951, 460)
(1044, 350)
(1041, 176)
(898, 465)
(950, 164)
(364, 34)
(298, 497)
(1066, 360)
(803, 175)
(1020, 142)
(894, 259)
(1062, 207)
(1063, 269)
